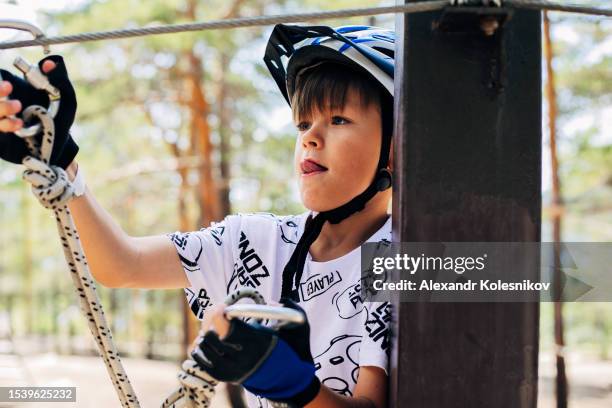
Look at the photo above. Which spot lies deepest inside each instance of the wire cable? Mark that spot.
(554, 6)
(228, 24)
(416, 7)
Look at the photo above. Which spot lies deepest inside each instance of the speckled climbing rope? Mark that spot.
(51, 186)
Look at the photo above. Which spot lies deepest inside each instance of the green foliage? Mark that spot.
(130, 94)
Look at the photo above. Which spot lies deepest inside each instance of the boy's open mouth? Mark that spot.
(310, 166)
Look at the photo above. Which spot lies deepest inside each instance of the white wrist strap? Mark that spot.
(78, 184)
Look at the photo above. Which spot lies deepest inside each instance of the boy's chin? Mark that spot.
(318, 205)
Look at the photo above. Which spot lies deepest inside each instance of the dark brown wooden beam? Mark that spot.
(468, 168)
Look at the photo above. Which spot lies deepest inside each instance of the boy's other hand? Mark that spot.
(12, 147)
(48, 66)
(12, 107)
(8, 108)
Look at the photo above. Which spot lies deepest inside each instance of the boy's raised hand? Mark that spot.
(21, 95)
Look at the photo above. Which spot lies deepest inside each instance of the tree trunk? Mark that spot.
(557, 205)
(224, 135)
(200, 144)
(207, 194)
(190, 325)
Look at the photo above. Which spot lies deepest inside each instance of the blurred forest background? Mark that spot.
(178, 130)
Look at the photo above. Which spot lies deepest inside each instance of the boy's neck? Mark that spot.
(336, 240)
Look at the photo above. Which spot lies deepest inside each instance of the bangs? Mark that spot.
(325, 86)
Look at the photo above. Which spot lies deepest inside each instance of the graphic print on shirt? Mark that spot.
(216, 232)
(190, 265)
(343, 350)
(377, 325)
(199, 303)
(368, 277)
(289, 229)
(349, 303)
(318, 284)
(287, 225)
(249, 269)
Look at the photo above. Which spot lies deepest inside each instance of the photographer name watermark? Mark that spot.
(487, 271)
(482, 285)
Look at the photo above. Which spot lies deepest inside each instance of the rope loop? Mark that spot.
(242, 293)
(50, 183)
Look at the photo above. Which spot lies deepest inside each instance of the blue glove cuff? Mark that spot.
(284, 377)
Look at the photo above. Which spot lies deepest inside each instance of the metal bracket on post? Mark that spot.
(468, 16)
(497, 3)
(479, 18)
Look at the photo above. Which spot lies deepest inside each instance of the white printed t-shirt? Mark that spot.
(251, 250)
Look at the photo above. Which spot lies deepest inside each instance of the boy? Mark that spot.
(339, 84)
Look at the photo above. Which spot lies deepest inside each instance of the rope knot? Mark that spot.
(50, 184)
(197, 388)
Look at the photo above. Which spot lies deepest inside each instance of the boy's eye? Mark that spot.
(339, 120)
(302, 126)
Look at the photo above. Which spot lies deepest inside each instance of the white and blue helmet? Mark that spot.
(292, 48)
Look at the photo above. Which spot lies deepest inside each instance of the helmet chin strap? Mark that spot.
(294, 269)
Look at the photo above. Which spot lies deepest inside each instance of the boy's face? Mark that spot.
(336, 153)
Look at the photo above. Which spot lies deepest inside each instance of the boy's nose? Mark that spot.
(312, 138)
(312, 143)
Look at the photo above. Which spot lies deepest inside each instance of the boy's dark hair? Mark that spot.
(326, 84)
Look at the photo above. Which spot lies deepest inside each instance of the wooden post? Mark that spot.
(468, 168)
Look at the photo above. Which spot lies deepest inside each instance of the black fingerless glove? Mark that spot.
(238, 355)
(275, 365)
(12, 147)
